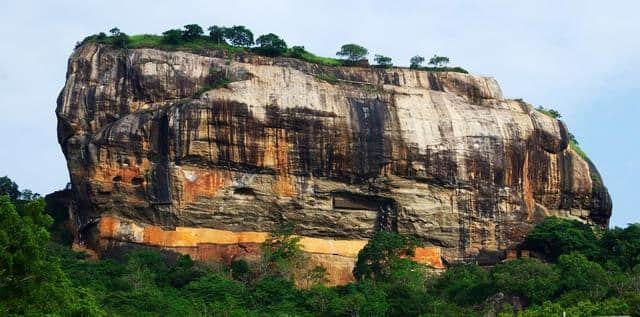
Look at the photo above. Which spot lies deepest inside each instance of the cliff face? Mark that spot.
(157, 158)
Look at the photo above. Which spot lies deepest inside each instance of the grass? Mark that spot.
(574, 146)
(456, 69)
(301, 54)
(330, 78)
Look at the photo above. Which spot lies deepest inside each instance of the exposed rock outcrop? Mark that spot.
(158, 156)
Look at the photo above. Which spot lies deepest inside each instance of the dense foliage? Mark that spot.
(580, 272)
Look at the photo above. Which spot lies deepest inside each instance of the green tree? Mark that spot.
(119, 39)
(173, 36)
(439, 61)
(239, 35)
(581, 278)
(216, 33)
(376, 261)
(529, 278)
(281, 254)
(466, 284)
(9, 188)
(622, 246)
(352, 52)
(191, 32)
(271, 45)
(31, 281)
(416, 62)
(555, 236)
(383, 61)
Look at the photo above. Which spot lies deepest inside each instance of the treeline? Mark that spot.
(240, 38)
(579, 271)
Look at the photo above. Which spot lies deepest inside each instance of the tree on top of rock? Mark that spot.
(416, 62)
(216, 33)
(352, 52)
(271, 44)
(239, 35)
(191, 32)
(439, 61)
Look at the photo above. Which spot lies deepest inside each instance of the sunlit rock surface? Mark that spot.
(158, 156)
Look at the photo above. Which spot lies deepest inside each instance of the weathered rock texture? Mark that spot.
(156, 158)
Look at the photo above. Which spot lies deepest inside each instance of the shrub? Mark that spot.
(549, 112)
(330, 78)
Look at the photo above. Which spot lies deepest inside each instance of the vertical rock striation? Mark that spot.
(158, 156)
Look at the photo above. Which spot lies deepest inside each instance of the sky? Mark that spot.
(580, 57)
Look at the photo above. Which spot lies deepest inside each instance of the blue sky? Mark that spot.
(580, 57)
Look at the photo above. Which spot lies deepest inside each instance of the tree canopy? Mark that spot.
(416, 62)
(439, 61)
(271, 45)
(383, 61)
(191, 32)
(239, 35)
(353, 52)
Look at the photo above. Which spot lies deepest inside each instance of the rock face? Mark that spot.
(159, 156)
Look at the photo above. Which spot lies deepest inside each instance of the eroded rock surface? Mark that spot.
(440, 155)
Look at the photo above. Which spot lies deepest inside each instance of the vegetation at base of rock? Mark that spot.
(239, 38)
(581, 272)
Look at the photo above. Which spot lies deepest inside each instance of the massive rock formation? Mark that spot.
(159, 156)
